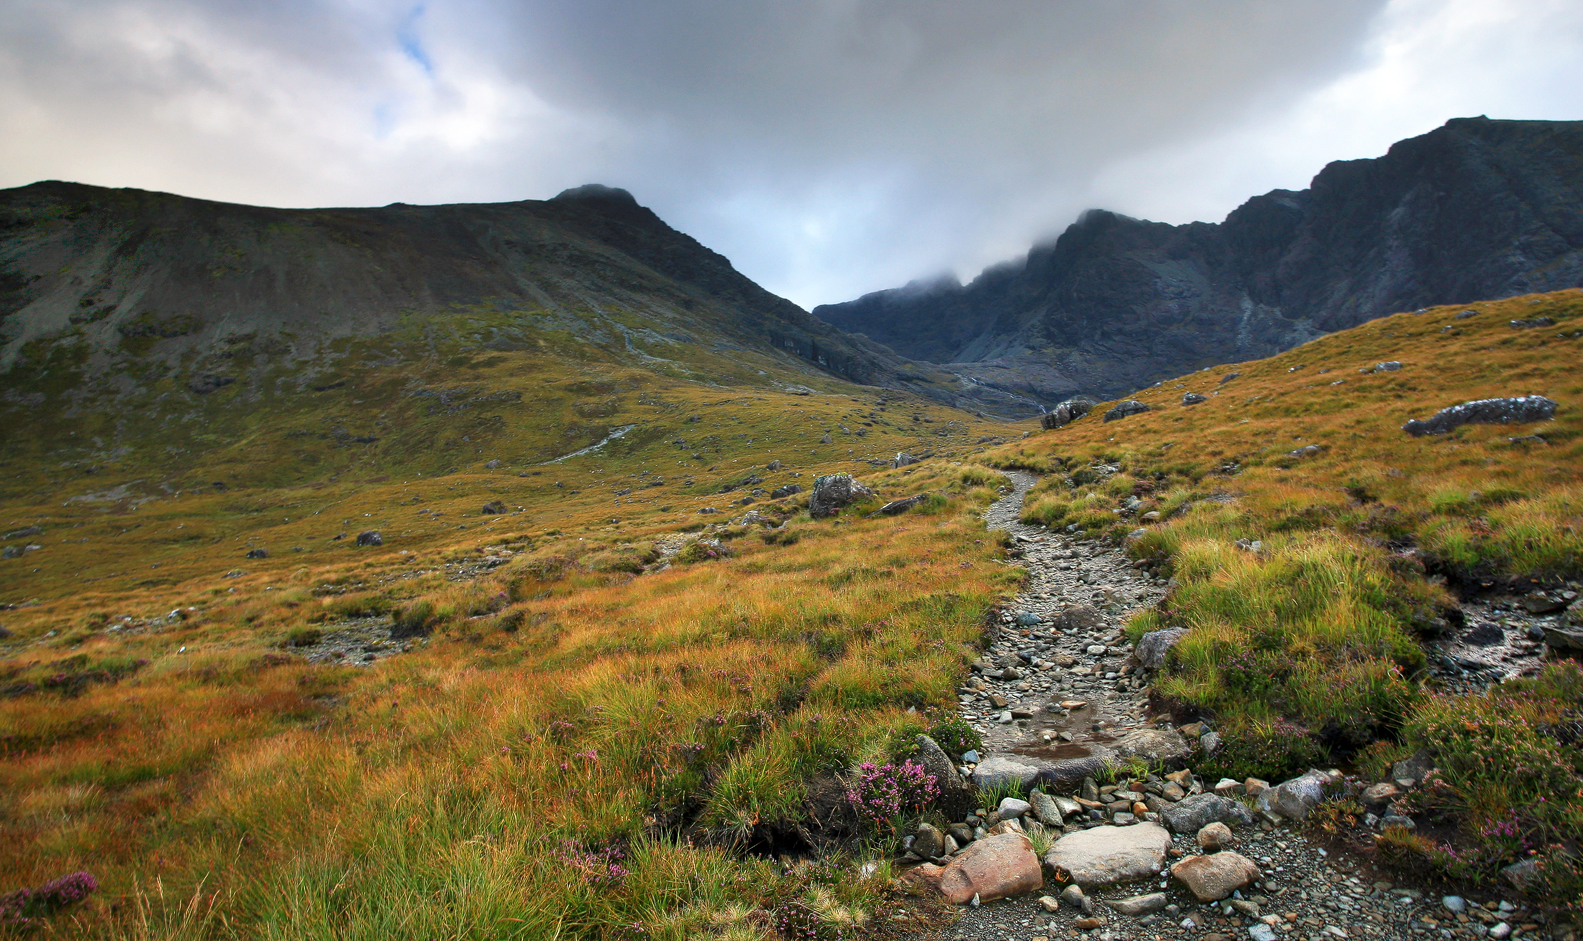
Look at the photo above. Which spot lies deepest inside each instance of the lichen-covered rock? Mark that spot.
(1123, 409)
(1295, 799)
(1155, 646)
(957, 797)
(1066, 413)
(1512, 411)
(833, 491)
(998, 770)
(1156, 745)
(1045, 809)
(896, 507)
(928, 842)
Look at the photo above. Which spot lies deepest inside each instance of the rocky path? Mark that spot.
(1061, 643)
(1056, 693)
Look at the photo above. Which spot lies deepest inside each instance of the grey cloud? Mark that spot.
(828, 147)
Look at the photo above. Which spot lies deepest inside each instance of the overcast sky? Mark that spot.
(827, 147)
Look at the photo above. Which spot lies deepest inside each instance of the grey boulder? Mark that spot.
(928, 842)
(1192, 814)
(1162, 745)
(1123, 409)
(998, 770)
(1519, 410)
(1155, 646)
(1297, 798)
(1066, 413)
(833, 491)
(957, 797)
(1045, 809)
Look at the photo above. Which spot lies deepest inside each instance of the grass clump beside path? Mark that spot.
(1313, 542)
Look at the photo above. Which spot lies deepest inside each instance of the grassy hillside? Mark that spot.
(592, 674)
(1315, 545)
(596, 711)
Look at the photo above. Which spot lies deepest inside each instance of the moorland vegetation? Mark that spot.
(613, 715)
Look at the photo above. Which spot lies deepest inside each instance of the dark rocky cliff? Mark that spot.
(1476, 209)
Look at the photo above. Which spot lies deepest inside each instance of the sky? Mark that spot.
(827, 147)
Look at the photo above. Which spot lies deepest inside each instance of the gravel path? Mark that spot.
(1064, 637)
(1082, 592)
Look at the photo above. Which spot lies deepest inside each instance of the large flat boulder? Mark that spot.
(1110, 855)
(1061, 776)
(1066, 775)
(995, 867)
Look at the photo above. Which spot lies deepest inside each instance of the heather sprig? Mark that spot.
(883, 793)
(600, 868)
(19, 909)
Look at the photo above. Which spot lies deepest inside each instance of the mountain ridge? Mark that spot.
(1476, 209)
(123, 279)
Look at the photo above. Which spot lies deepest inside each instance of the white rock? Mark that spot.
(1109, 855)
(1011, 808)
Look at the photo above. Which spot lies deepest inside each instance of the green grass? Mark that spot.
(1306, 581)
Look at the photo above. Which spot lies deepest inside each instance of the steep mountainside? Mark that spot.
(134, 288)
(1473, 210)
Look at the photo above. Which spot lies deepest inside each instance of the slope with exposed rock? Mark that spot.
(1477, 209)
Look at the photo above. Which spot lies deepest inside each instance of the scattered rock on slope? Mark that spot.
(1155, 646)
(1511, 411)
(895, 507)
(833, 491)
(1123, 409)
(1066, 412)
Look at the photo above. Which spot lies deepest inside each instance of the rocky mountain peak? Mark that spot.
(1475, 209)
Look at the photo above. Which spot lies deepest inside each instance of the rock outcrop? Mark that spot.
(1519, 410)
